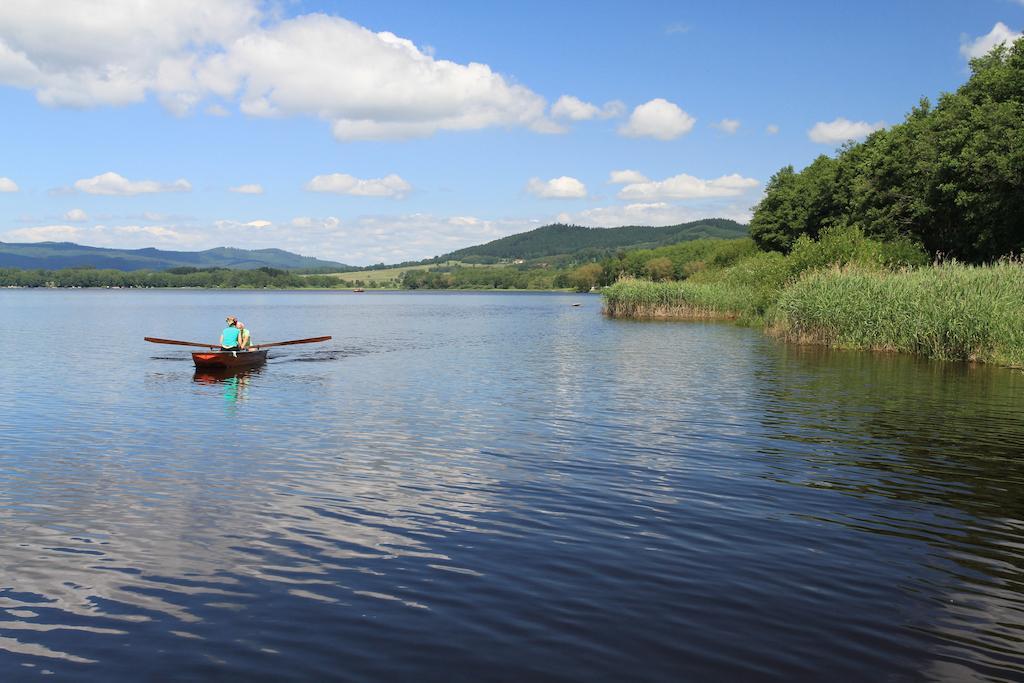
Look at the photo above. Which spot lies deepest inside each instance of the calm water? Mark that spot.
(465, 487)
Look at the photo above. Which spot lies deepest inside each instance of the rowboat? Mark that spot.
(228, 359)
(218, 359)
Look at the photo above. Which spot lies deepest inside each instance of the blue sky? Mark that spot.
(368, 132)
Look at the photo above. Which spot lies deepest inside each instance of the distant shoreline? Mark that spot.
(350, 290)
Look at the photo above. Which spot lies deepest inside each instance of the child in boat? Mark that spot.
(244, 338)
(229, 337)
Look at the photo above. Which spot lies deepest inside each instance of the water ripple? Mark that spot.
(466, 487)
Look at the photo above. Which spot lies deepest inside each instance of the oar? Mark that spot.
(311, 340)
(180, 343)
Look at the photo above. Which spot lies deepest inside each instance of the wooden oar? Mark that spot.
(311, 340)
(180, 343)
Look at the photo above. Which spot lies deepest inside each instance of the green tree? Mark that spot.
(585, 277)
(660, 268)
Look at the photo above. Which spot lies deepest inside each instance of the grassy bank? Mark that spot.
(847, 291)
(948, 311)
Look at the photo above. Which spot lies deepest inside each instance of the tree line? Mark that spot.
(185, 276)
(950, 177)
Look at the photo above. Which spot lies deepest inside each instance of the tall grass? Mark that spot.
(948, 311)
(846, 290)
(643, 299)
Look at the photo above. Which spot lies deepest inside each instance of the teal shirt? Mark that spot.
(230, 336)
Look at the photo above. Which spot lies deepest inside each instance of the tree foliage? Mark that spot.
(950, 177)
(185, 276)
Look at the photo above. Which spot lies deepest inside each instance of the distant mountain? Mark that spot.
(577, 241)
(57, 255)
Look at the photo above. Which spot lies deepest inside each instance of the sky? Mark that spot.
(389, 131)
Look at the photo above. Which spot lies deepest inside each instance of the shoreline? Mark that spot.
(946, 311)
(350, 290)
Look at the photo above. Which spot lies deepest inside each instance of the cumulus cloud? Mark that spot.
(76, 215)
(626, 177)
(563, 187)
(119, 236)
(83, 54)
(728, 126)
(980, 46)
(44, 233)
(113, 184)
(372, 238)
(575, 109)
(654, 213)
(8, 185)
(148, 233)
(248, 188)
(842, 130)
(771, 129)
(659, 119)
(366, 85)
(369, 85)
(242, 225)
(342, 183)
(685, 186)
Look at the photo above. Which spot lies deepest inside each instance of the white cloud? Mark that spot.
(116, 185)
(728, 126)
(575, 109)
(146, 235)
(76, 215)
(248, 188)
(685, 186)
(771, 129)
(305, 222)
(84, 54)
(242, 225)
(367, 85)
(842, 130)
(121, 236)
(980, 46)
(44, 233)
(658, 119)
(372, 239)
(653, 213)
(342, 183)
(626, 177)
(217, 110)
(8, 185)
(563, 187)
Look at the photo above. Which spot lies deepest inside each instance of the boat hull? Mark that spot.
(228, 359)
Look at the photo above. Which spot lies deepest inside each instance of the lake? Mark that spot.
(466, 486)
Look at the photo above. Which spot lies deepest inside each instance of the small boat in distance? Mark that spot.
(358, 289)
(218, 358)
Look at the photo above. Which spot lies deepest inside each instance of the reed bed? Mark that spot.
(646, 300)
(948, 311)
(851, 292)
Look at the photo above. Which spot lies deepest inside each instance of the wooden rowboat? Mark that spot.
(228, 359)
(217, 359)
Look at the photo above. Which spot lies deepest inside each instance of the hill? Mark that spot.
(57, 255)
(583, 243)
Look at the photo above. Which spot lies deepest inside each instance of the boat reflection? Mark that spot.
(234, 380)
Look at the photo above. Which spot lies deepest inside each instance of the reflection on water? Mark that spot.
(477, 483)
(234, 381)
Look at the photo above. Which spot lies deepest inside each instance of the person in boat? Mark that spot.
(229, 338)
(244, 338)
